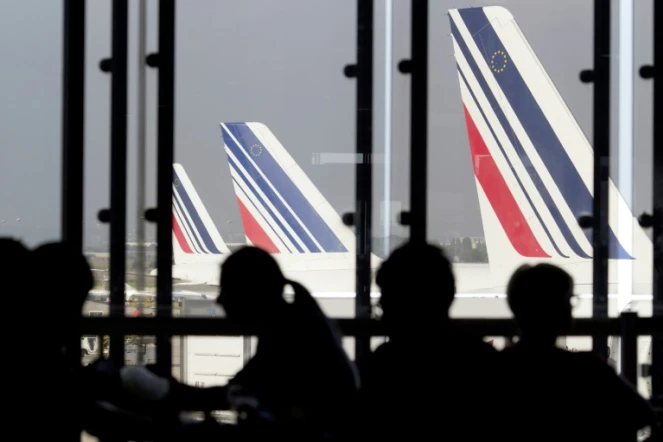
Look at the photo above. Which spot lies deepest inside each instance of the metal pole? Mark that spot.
(140, 145)
(388, 37)
(419, 121)
(629, 347)
(629, 351)
(165, 159)
(364, 172)
(118, 197)
(140, 227)
(601, 128)
(73, 122)
(657, 219)
(73, 131)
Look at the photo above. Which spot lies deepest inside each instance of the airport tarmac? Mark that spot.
(98, 308)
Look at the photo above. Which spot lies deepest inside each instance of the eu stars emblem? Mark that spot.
(498, 61)
(256, 150)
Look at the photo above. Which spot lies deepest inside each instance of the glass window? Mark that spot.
(510, 166)
(31, 123)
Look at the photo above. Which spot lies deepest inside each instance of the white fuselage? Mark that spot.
(331, 274)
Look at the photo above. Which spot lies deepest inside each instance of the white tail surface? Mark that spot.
(195, 237)
(532, 162)
(282, 210)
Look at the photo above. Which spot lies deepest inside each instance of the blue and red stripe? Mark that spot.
(548, 146)
(252, 227)
(260, 200)
(279, 188)
(198, 226)
(520, 184)
(500, 197)
(520, 151)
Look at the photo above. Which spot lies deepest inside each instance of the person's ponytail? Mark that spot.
(301, 293)
(306, 300)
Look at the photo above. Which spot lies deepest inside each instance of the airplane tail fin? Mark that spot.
(282, 210)
(533, 164)
(195, 237)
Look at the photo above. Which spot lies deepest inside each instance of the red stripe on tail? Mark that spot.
(253, 230)
(501, 199)
(180, 236)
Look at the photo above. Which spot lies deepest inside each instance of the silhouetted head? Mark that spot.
(66, 277)
(13, 265)
(417, 288)
(11, 252)
(540, 298)
(251, 285)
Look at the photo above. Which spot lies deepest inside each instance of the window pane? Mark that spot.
(632, 170)
(265, 141)
(505, 188)
(30, 123)
(97, 153)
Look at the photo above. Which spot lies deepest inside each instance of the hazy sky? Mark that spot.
(278, 62)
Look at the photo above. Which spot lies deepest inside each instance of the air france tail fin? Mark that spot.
(533, 164)
(195, 237)
(282, 210)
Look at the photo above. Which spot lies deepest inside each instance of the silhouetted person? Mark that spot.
(59, 280)
(429, 380)
(71, 393)
(66, 272)
(300, 375)
(21, 333)
(553, 392)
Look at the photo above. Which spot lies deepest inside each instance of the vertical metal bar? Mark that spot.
(364, 171)
(629, 347)
(73, 122)
(118, 197)
(388, 53)
(165, 158)
(140, 146)
(73, 131)
(601, 128)
(419, 121)
(140, 227)
(629, 351)
(657, 342)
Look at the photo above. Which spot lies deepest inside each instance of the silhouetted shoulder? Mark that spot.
(472, 345)
(374, 372)
(622, 398)
(583, 377)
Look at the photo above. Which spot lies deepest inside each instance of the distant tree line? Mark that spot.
(464, 249)
(467, 250)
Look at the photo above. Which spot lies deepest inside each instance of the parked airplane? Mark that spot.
(532, 162)
(534, 167)
(283, 212)
(199, 249)
(528, 209)
(131, 294)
